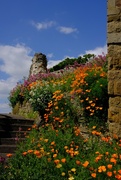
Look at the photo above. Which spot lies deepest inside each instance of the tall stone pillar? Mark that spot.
(114, 65)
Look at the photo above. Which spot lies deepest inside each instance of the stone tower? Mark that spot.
(39, 64)
(114, 65)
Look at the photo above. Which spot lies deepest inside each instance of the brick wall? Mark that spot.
(114, 65)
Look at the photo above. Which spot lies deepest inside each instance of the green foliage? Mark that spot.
(72, 61)
(97, 97)
(16, 96)
(63, 153)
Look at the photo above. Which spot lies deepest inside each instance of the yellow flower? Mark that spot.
(46, 140)
(73, 170)
(59, 165)
(71, 178)
(63, 173)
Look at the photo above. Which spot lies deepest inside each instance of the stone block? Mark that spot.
(117, 87)
(114, 27)
(114, 75)
(114, 38)
(114, 114)
(111, 87)
(112, 8)
(115, 128)
(114, 17)
(118, 3)
(115, 101)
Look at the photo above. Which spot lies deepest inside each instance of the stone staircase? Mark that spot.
(12, 131)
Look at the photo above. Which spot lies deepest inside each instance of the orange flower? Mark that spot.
(120, 156)
(30, 151)
(53, 143)
(113, 160)
(119, 171)
(63, 160)
(98, 158)
(93, 175)
(109, 173)
(114, 156)
(115, 136)
(37, 153)
(24, 153)
(56, 161)
(9, 155)
(85, 164)
(109, 166)
(101, 169)
(118, 176)
(78, 162)
(54, 155)
(107, 153)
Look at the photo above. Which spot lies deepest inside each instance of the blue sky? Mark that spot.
(59, 29)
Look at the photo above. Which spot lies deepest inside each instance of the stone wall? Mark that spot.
(114, 65)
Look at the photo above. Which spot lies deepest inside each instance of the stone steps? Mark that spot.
(13, 129)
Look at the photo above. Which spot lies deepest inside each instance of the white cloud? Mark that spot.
(50, 55)
(52, 63)
(67, 30)
(16, 61)
(43, 25)
(97, 51)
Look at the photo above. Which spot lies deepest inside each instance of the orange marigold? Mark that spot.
(93, 175)
(109, 173)
(85, 164)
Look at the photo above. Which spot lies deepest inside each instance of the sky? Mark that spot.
(56, 28)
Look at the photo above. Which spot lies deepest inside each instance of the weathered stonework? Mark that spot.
(114, 65)
(39, 64)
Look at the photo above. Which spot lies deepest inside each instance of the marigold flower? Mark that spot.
(54, 155)
(24, 153)
(114, 156)
(107, 153)
(101, 169)
(109, 166)
(78, 162)
(118, 176)
(9, 155)
(109, 173)
(73, 169)
(94, 127)
(63, 173)
(93, 175)
(59, 166)
(37, 153)
(119, 171)
(30, 151)
(71, 178)
(63, 160)
(113, 160)
(56, 161)
(85, 164)
(46, 140)
(53, 143)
